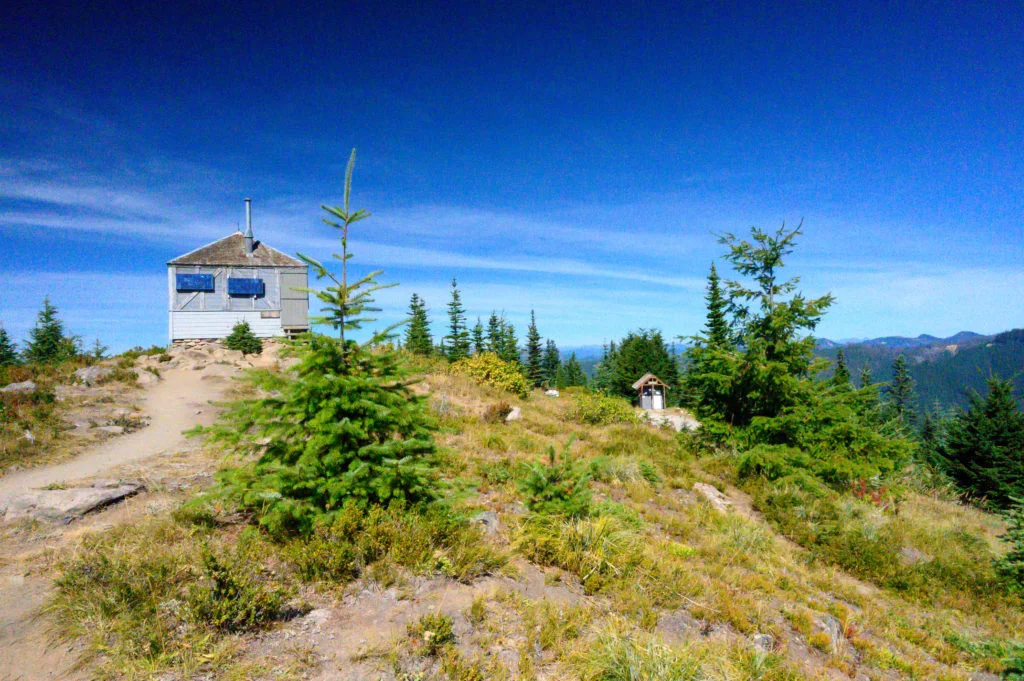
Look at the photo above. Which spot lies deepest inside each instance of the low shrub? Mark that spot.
(433, 631)
(377, 540)
(155, 596)
(601, 551)
(872, 541)
(558, 486)
(597, 409)
(243, 339)
(496, 413)
(233, 595)
(615, 656)
(488, 368)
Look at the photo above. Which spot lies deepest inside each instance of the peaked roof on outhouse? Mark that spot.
(648, 378)
(232, 251)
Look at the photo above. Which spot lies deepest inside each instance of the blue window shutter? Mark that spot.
(245, 287)
(195, 282)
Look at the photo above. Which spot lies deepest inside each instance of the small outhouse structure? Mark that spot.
(236, 279)
(652, 392)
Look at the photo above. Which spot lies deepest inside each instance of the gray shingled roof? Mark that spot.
(231, 251)
(648, 378)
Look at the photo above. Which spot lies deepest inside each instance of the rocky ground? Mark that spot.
(134, 462)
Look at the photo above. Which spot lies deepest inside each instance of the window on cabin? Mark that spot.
(194, 282)
(245, 287)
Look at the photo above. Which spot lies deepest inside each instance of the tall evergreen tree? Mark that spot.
(901, 391)
(717, 332)
(604, 372)
(841, 375)
(456, 343)
(495, 325)
(710, 359)
(417, 332)
(8, 350)
(983, 446)
(551, 363)
(534, 354)
(509, 350)
(47, 340)
(866, 378)
(571, 373)
(479, 345)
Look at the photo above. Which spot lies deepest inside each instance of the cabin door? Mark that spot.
(646, 399)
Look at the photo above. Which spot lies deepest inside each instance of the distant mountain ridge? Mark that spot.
(944, 370)
(904, 343)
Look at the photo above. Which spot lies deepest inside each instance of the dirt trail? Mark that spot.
(176, 403)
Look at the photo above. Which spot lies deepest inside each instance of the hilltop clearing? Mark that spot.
(672, 571)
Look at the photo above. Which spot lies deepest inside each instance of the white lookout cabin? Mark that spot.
(236, 279)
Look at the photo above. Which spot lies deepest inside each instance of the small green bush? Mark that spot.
(488, 368)
(557, 487)
(234, 596)
(435, 540)
(434, 630)
(597, 409)
(243, 339)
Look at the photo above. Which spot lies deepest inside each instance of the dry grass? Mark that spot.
(653, 553)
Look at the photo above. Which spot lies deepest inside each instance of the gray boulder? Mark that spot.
(23, 387)
(65, 505)
(93, 374)
(514, 415)
(488, 520)
(714, 497)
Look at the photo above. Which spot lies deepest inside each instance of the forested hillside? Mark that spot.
(945, 370)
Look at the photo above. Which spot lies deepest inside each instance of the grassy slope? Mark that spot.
(672, 587)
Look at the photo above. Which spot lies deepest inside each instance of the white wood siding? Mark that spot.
(218, 324)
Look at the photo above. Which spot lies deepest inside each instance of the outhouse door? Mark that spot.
(646, 398)
(659, 399)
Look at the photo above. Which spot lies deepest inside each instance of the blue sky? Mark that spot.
(574, 158)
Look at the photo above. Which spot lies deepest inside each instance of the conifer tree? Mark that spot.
(551, 363)
(717, 333)
(638, 353)
(841, 374)
(8, 350)
(345, 429)
(534, 354)
(605, 370)
(983, 445)
(345, 302)
(98, 350)
(571, 373)
(456, 343)
(47, 340)
(494, 333)
(479, 346)
(901, 391)
(866, 378)
(509, 350)
(417, 333)
(708, 380)
(243, 339)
